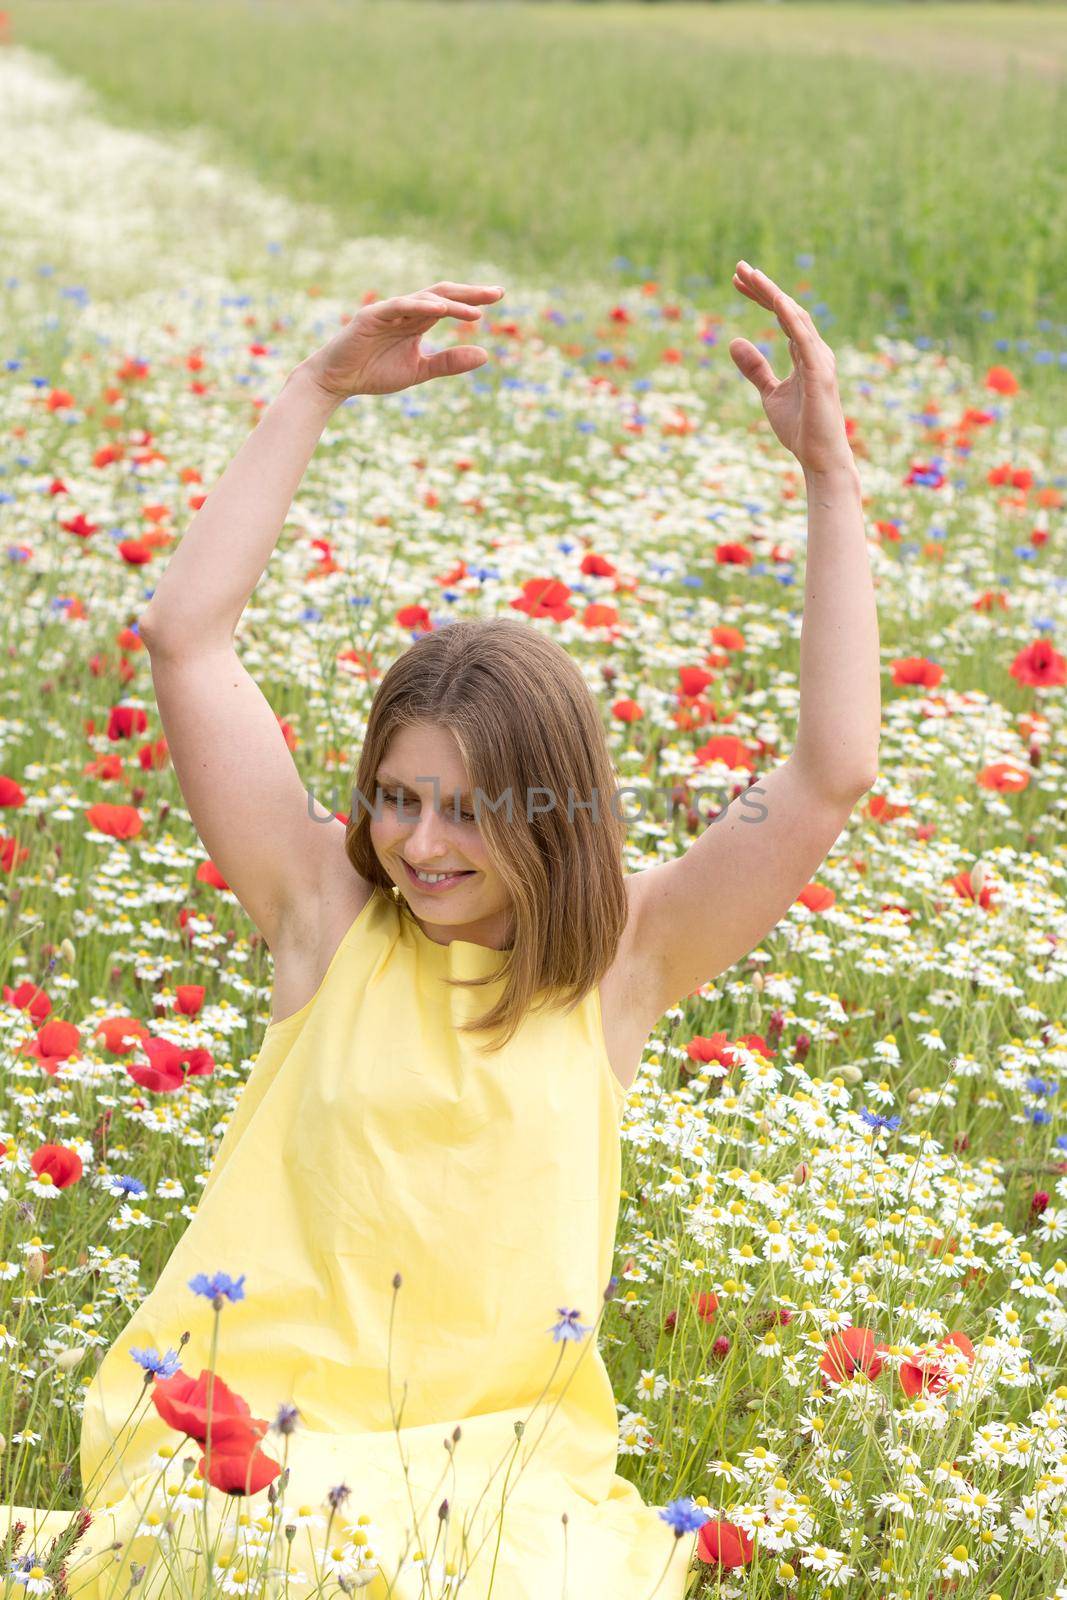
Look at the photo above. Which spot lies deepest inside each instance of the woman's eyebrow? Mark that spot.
(387, 777)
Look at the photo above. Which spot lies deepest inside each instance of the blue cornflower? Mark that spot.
(569, 1327)
(122, 1183)
(151, 1360)
(1046, 1086)
(684, 1515)
(286, 1418)
(1038, 1115)
(220, 1284)
(1061, 1142)
(874, 1119)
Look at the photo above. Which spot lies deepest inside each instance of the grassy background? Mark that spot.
(906, 162)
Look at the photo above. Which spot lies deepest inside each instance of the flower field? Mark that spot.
(837, 1334)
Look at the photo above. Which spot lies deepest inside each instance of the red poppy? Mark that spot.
(1004, 776)
(724, 1544)
(54, 1042)
(28, 997)
(1040, 666)
(190, 997)
(63, 1165)
(208, 872)
(917, 669)
(544, 597)
(882, 810)
(120, 1034)
(627, 711)
(727, 638)
(707, 1303)
(125, 720)
(736, 555)
(694, 680)
(816, 897)
(726, 747)
(1002, 380)
(118, 822)
(182, 1402)
(169, 1065)
(598, 615)
(854, 1350)
(963, 888)
(929, 1373)
(239, 1471)
(415, 617)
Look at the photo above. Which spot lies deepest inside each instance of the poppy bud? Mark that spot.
(801, 1172)
(757, 982)
(35, 1266)
(851, 1073)
(978, 877)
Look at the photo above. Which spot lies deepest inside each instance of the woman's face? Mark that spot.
(426, 825)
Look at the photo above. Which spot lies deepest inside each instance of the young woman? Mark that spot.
(464, 980)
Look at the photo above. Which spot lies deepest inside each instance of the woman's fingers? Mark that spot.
(793, 319)
(471, 292)
(451, 363)
(428, 304)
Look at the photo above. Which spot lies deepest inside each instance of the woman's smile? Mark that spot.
(436, 883)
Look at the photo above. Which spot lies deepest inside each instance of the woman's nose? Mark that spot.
(427, 835)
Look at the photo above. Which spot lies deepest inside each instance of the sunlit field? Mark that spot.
(911, 156)
(840, 1312)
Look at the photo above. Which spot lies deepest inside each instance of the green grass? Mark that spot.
(914, 153)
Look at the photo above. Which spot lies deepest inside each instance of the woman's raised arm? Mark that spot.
(237, 777)
(224, 550)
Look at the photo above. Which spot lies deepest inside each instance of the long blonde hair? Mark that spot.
(524, 720)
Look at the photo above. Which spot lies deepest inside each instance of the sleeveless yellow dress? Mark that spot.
(370, 1139)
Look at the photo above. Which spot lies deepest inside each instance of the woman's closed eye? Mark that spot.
(411, 804)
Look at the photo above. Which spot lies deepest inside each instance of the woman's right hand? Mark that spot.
(378, 351)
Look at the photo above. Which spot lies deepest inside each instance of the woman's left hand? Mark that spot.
(804, 409)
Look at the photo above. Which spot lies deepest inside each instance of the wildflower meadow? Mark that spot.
(838, 1313)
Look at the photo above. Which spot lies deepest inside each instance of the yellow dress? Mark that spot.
(371, 1139)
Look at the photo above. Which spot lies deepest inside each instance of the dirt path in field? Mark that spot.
(118, 213)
